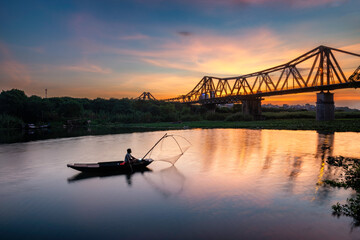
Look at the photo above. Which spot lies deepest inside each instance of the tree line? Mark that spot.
(17, 109)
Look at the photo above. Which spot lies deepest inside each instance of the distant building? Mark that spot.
(307, 107)
(227, 105)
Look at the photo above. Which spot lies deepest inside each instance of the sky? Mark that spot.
(116, 49)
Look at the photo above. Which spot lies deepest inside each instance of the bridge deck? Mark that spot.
(238, 98)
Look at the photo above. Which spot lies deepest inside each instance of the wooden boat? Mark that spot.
(116, 166)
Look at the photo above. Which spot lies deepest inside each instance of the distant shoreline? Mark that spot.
(338, 125)
(21, 135)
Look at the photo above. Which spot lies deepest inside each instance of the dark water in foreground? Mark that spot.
(231, 184)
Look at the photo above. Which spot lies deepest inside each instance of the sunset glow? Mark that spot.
(117, 49)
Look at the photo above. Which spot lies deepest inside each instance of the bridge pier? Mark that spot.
(252, 107)
(325, 108)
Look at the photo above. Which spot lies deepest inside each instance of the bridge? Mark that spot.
(315, 71)
(146, 96)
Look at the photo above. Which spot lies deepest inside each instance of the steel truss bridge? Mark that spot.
(146, 96)
(321, 72)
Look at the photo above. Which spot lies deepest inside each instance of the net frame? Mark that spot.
(176, 157)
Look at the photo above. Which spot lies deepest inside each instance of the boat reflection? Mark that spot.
(91, 175)
(168, 182)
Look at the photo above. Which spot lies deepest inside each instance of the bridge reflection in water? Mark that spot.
(292, 162)
(254, 184)
(271, 161)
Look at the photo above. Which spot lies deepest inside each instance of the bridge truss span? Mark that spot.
(146, 96)
(316, 70)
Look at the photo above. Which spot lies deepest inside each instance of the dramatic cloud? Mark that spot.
(206, 53)
(122, 48)
(240, 53)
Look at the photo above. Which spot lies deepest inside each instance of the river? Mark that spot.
(230, 184)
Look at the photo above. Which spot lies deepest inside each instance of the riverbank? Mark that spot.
(338, 125)
(58, 131)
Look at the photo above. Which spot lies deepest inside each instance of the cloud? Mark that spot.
(223, 55)
(130, 85)
(161, 85)
(292, 3)
(240, 53)
(208, 53)
(90, 68)
(12, 72)
(311, 3)
(185, 33)
(355, 48)
(186, 60)
(138, 36)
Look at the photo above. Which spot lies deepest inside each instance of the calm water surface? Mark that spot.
(231, 184)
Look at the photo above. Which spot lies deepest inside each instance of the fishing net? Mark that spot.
(168, 182)
(170, 148)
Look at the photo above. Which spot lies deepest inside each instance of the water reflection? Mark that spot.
(286, 159)
(296, 168)
(232, 183)
(325, 149)
(19, 135)
(90, 175)
(325, 142)
(168, 182)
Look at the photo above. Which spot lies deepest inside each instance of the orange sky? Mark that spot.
(166, 47)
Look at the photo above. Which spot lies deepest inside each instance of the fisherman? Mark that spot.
(128, 157)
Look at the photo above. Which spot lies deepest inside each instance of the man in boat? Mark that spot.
(128, 157)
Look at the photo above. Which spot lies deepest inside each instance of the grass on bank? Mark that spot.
(340, 125)
(290, 120)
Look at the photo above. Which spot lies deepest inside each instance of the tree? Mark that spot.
(70, 109)
(12, 102)
(34, 109)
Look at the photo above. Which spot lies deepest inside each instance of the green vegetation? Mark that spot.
(351, 209)
(17, 109)
(290, 115)
(7, 121)
(340, 125)
(351, 179)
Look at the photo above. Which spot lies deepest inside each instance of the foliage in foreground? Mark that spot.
(352, 172)
(351, 180)
(351, 209)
